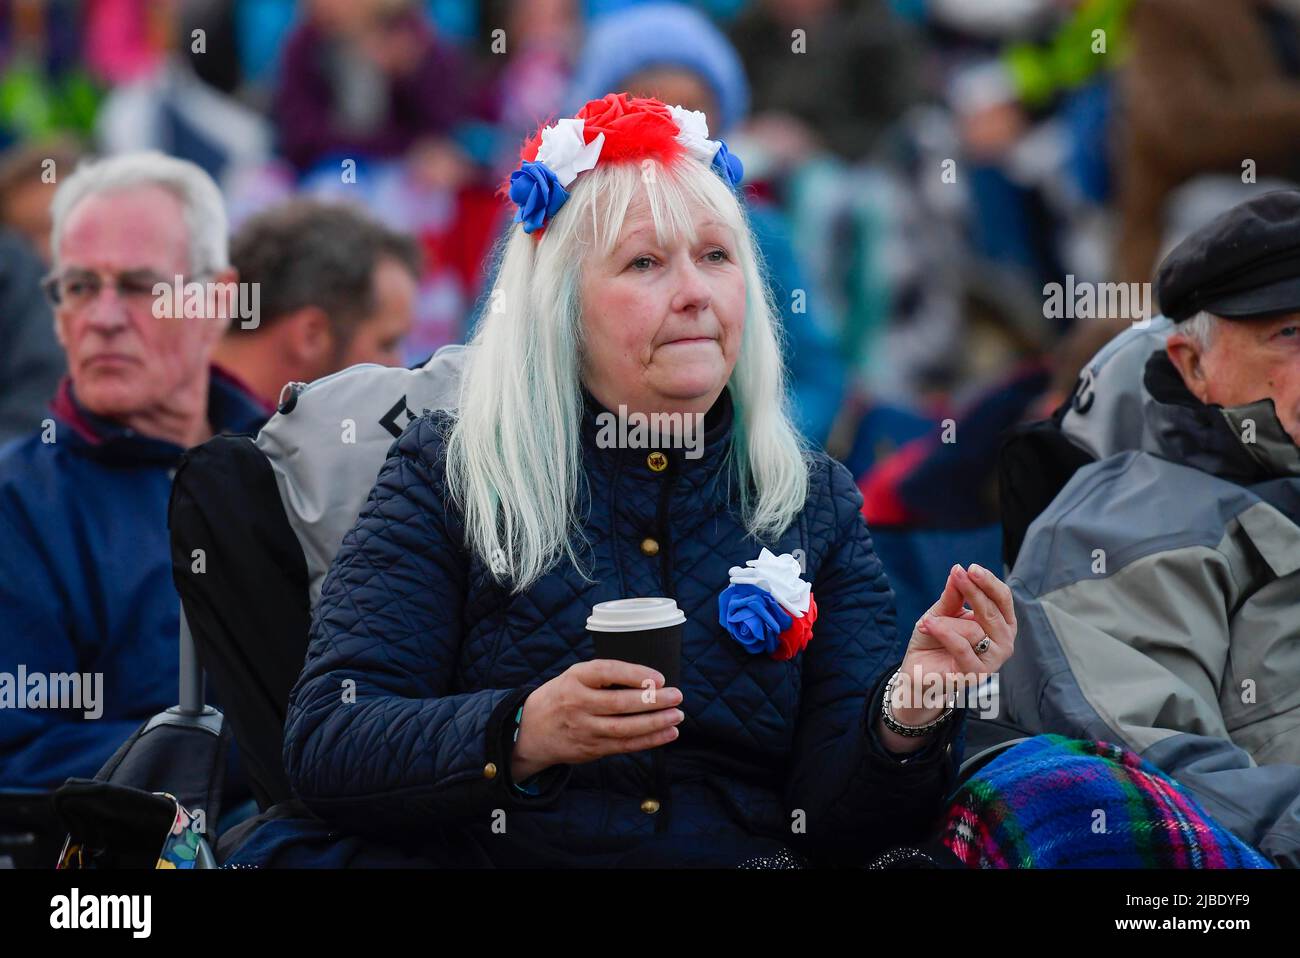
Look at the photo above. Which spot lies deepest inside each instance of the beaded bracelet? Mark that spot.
(519, 721)
(909, 731)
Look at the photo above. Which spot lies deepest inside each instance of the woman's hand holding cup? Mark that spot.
(574, 718)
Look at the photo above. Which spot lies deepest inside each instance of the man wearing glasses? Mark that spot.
(85, 567)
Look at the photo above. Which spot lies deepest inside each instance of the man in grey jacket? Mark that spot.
(1159, 593)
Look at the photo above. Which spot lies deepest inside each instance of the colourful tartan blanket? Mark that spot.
(1054, 802)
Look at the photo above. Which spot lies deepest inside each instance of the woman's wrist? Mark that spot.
(905, 722)
(523, 766)
(907, 704)
(917, 717)
(522, 769)
(900, 744)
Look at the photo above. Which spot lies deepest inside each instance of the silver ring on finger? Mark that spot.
(982, 645)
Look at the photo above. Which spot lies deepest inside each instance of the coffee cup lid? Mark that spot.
(635, 615)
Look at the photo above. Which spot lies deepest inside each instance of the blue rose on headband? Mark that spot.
(753, 617)
(537, 192)
(728, 164)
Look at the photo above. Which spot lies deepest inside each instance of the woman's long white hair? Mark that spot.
(514, 455)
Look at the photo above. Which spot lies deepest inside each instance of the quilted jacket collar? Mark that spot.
(634, 459)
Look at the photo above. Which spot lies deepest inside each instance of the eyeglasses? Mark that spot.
(76, 288)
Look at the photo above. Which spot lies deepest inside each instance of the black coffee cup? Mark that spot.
(647, 631)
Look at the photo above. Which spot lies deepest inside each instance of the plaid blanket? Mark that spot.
(1054, 802)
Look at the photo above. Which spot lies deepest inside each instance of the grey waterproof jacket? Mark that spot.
(1158, 595)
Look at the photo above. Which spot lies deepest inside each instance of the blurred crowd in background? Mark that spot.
(918, 171)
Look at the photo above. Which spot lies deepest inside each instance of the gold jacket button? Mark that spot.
(649, 547)
(490, 770)
(650, 806)
(657, 461)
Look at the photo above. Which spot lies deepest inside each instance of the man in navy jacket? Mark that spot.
(85, 568)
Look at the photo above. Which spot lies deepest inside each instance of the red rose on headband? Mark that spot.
(635, 128)
(613, 106)
(792, 641)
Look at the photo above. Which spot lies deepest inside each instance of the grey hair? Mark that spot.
(1201, 328)
(204, 209)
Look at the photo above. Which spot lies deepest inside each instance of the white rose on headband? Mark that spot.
(693, 133)
(565, 152)
(779, 575)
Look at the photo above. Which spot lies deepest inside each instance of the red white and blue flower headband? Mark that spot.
(617, 128)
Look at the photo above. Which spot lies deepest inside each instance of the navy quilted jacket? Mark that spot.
(441, 657)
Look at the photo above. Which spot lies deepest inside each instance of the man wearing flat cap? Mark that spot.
(1159, 593)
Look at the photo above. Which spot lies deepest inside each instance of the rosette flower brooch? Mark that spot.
(768, 607)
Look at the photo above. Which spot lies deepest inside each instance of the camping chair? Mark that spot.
(255, 524)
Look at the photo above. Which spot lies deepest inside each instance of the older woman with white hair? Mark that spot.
(452, 709)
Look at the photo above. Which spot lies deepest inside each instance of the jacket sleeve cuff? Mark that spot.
(541, 789)
(945, 741)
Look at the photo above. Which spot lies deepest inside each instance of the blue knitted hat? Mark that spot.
(661, 34)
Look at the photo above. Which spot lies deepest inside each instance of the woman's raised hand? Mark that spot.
(574, 718)
(948, 641)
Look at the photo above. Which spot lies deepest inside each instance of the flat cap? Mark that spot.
(1243, 263)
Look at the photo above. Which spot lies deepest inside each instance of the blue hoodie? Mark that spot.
(86, 584)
